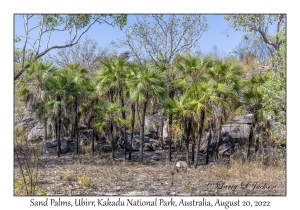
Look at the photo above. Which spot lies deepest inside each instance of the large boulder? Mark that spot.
(37, 133)
(226, 147)
(153, 124)
(26, 120)
(151, 144)
(237, 131)
(66, 145)
(244, 119)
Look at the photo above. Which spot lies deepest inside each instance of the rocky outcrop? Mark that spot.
(37, 133)
(153, 124)
(148, 144)
(227, 144)
(243, 119)
(67, 145)
(237, 131)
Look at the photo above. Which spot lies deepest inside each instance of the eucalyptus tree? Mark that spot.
(260, 24)
(169, 34)
(148, 82)
(44, 26)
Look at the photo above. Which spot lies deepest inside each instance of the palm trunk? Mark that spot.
(219, 139)
(170, 137)
(132, 127)
(200, 130)
(93, 142)
(252, 135)
(161, 128)
(76, 127)
(124, 127)
(193, 141)
(171, 95)
(186, 140)
(110, 137)
(142, 129)
(59, 129)
(209, 141)
(45, 130)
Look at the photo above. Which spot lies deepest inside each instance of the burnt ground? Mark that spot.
(101, 175)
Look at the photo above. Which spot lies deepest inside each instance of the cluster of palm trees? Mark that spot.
(195, 93)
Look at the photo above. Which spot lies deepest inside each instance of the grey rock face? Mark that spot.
(237, 131)
(245, 119)
(153, 124)
(65, 145)
(37, 133)
(226, 145)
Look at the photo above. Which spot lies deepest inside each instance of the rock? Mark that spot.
(153, 124)
(104, 148)
(37, 133)
(147, 147)
(51, 145)
(245, 119)
(135, 142)
(239, 155)
(154, 144)
(226, 147)
(237, 131)
(181, 164)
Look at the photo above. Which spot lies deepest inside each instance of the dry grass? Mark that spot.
(87, 175)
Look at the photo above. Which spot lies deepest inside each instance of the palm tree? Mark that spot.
(227, 79)
(78, 90)
(58, 86)
(34, 77)
(203, 98)
(112, 82)
(178, 108)
(147, 83)
(253, 97)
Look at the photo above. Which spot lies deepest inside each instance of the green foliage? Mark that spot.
(26, 185)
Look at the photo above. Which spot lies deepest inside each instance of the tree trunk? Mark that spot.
(72, 133)
(219, 139)
(142, 129)
(161, 134)
(45, 130)
(252, 135)
(200, 130)
(132, 127)
(59, 129)
(193, 141)
(170, 140)
(124, 127)
(170, 137)
(110, 134)
(209, 141)
(93, 142)
(76, 127)
(186, 139)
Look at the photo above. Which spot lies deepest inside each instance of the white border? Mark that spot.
(155, 6)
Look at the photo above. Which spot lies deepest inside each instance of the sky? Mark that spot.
(219, 34)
